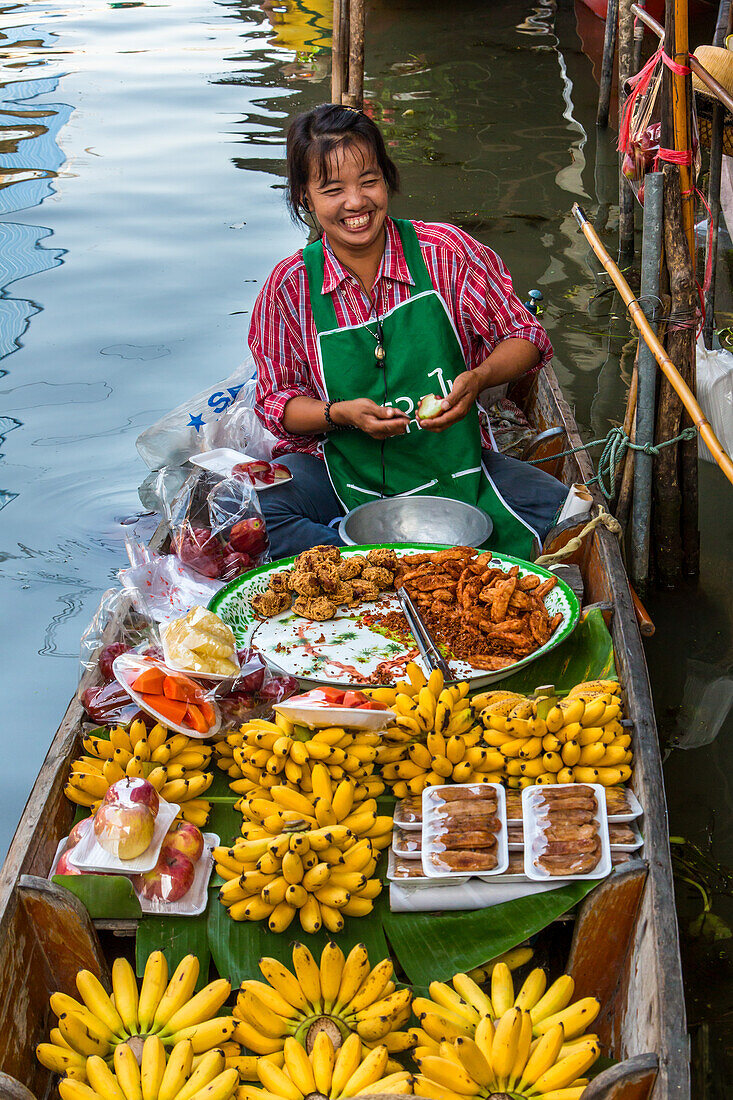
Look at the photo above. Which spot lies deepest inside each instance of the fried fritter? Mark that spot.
(343, 594)
(383, 578)
(271, 603)
(280, 582)
(317, 554)
(305, 583)
(383, 558)
(351, 567)
(328, 576)
(364, 590)
(318, 609)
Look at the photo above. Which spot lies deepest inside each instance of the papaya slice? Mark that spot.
(182, 688)
(195, 720)
(208, 711)
(172, 710)
(149, 682)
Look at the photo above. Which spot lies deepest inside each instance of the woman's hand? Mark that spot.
(378, 421)
(457, 404)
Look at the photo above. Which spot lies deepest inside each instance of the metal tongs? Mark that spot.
(425, 641)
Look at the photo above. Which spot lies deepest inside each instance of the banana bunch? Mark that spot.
(264, 754)
(451, 1013)
(311, 855)
(180, 1075)
(514, 958)
(502, 1058)
(344, 998)
(326, 1072)
(97, 1025)
(578, 739)
(175, 765)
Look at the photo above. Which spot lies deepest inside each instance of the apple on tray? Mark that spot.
(130, 791)
(170, 879)
(124, 830)
(185, 838)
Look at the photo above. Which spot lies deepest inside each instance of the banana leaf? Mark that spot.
(107, 897)
(435, 946)
(176, 937)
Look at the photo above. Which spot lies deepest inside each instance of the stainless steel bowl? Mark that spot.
(411, 519)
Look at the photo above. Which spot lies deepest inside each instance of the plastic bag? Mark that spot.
(715, 394)
(509, 426)
(219, 416)
(162, 587)
(216, 526)
(254, 692)
(119, 616)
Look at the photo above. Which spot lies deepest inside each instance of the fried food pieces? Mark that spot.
(569, 841)
(482, 614)
(321, 580)
(463, 828)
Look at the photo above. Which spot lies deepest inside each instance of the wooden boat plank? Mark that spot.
(631, 1080)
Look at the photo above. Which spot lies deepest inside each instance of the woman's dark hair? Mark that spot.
(314, 135)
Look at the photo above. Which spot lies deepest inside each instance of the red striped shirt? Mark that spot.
(470, 278)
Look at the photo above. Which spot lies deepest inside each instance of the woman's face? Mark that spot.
(350, 202)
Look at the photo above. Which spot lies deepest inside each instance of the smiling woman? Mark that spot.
(356, 329)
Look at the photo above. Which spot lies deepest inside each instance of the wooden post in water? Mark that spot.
(609, 52)
(677, 107)
(626, 198)
(347, 54)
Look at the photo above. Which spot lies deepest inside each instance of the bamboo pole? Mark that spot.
(677, 92)
(667, 366)
(722, 29)
(337, 53)
(626, 198)
(609, 51)
(699, 70)
(355, 85)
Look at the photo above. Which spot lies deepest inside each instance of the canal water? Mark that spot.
(141, 208)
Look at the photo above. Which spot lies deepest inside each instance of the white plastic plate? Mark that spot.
(533, 832)
(422, 880)
(222, 460)
(408, 826)
(322, 717)
(430, 806)
(128, 666)
(634, 812)
(193, 903)
(89, 855)
(398, 843)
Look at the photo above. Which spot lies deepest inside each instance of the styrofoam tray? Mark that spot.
(89, 855)
(310, 714)
(215, 677)
(422, 881)
(398, 849)
(408, 826)
(430, 808)
(131, 662)
(635, 811)
(532, 832)
(223, 459)
(514, 845)
(193, 903)
(638, 841)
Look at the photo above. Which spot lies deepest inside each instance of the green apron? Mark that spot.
(423, 355)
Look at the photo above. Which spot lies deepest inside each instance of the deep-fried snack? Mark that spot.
(351, 566)
(318, 609)
(477, 821)
(409, 809)
(565, 865)
(514, 805)
(617, 800)
(305, 583)
(568, 847)
(621, 834)
(572, 816)
(344, 593)
(560, 830)
(489, 663)
(567, 790)
(459, 793)
(407, 842)
(364, 590)
(470, 862)
(328, 576)
(383, 558)
(383, 578)
(318, 553)
(280, 581)
(270, 603)
(408, 868)
(466, 838)
(469, 807)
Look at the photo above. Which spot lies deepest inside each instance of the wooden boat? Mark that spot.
(624, 949)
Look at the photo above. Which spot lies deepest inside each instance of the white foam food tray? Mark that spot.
(128, 666)
(89, 855)
(323, 717)
(406, 844)
(635, 809)
(193, 903)
(402, 821)
(420, 880)
(533, 833)
(222, 460)
(630, 847)
(431, 804)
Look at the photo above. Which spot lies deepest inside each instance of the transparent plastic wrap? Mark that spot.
(510, 428)
(407, 845)
(175, 700)
(408, 813)
(566, 832)
(216, 526)
(62, 865)
(715, 394)
(254, 692)
(219, 416)
(200, 644)
(464, 830)
(125, 836)
(173, 875)
(162, 587)
(121, 616)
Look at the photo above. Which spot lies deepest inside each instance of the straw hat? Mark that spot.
(719, 63)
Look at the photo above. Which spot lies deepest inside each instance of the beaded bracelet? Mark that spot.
(331, 423)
